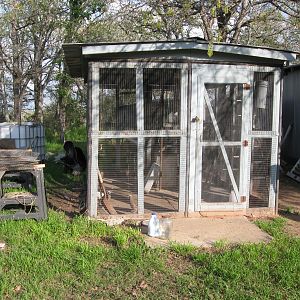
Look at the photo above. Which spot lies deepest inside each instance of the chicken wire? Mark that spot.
(117, 101)
(161, 173)
(118, 166)
(260, 172)
(262, 115)
(161, 99)
(226, 101)
(216, 183)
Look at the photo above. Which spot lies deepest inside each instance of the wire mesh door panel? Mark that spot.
(216, 182)
(226, 102)
(221, 142)
(261, 150)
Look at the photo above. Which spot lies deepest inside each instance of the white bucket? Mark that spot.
(261, 94)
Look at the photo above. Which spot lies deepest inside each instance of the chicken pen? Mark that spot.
(173, 130)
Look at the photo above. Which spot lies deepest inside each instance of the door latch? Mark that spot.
(196, 119)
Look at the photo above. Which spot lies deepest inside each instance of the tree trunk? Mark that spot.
(61, 108)
(16, 77)
(38, 96)
(3, 95)
(17, 98)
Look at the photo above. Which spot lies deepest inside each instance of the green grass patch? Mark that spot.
(78, 134)
(84, 259)
(54, 147)
(56, 177)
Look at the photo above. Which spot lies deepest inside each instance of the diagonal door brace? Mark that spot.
(220, 140)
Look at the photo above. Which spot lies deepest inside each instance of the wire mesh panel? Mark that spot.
(161, 173)
(216, 183)
(161, 99)
(144, 100)
(226, 101)
(262, 114)
(260, 172)
(117, 102)
(118, 166)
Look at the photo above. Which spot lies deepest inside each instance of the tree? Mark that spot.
(216, 20)
(46, 24)
(13, 48)
(4, 115)
(32, 32)
(31, 38)
(29, 46)
(79, 14)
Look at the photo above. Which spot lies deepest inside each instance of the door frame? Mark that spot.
(202, 74)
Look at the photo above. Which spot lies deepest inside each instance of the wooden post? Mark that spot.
(93, 140)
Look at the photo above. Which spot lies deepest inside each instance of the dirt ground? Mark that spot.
(67, 201)
(289, 202)
(205, 232)
(289, 194)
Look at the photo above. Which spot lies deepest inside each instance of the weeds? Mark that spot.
(220, 244)
(274, 227)
(183, 249)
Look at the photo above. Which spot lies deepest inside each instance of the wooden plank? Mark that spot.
(15, 152)
(105, 197)
(152, 176)
(18, 160)
(26, 200)
(7, 144)
(21, 167)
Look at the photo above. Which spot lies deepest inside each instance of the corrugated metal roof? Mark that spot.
(76, 53)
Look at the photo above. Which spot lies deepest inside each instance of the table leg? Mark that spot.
(1, 190)
(42, 203)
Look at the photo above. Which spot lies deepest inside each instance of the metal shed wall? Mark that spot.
(290, 114)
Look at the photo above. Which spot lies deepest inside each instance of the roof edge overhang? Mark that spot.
(109, 48)
(77, 54)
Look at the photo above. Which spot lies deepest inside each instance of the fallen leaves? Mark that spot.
(2, 246)
(142, 286)
(18, 289)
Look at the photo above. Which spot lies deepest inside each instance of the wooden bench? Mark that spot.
(23, 161)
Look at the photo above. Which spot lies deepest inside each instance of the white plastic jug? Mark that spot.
(153, 226)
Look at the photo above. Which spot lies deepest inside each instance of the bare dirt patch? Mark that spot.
(289, 204)
(289, 194)
(68, 201)
(293, 223)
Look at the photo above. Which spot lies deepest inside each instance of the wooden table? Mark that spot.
(23, 161)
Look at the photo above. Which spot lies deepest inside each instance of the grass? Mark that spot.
(83, 259)
(55, 176)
